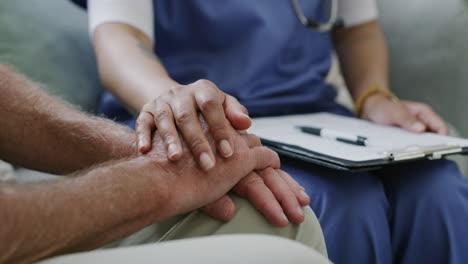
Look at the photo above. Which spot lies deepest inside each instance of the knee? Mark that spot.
(310, 232)
(250, 220)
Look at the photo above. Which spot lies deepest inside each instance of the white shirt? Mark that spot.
(139, 13)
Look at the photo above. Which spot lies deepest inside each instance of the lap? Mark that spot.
(337, 188)
(422, 178)
(413, 180)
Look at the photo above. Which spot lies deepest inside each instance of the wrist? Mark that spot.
(370, 96)
(159, 187)
(112, 141)
(125, 144)
(148, 181)
(152, 90)
(166, 83)
(371, 103)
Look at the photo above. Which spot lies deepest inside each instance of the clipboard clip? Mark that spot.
(430, 152)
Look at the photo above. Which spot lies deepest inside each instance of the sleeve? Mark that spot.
(136, 13)
(355, 12)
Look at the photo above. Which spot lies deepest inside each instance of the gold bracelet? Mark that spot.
(371, 90)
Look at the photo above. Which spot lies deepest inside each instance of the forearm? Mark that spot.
(40, 132)
(127, 65)
(80, 213)
(363, 57)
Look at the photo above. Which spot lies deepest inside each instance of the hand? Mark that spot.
(273, 192)
(189, 187)
(182, 104)
(412, 116)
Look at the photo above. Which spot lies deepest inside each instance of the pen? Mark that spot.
(334, 135)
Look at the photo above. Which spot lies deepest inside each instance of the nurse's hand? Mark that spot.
(178, 110)
(272, 191)
(412, 116)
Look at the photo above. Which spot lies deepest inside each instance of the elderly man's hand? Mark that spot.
(252, 172)
(272, 191)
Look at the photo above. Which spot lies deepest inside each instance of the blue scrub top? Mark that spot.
(257, 51)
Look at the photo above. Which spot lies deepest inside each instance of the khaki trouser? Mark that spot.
(163, 242)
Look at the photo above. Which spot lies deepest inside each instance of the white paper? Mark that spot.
(382, 140)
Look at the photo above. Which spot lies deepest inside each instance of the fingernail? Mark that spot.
(304, 195)
(225, 148)
(206, 161)
(172, 150)
(299, 211)
(284, 218)
(418, 126)
(140, 142)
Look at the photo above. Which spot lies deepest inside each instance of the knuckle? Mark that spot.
(205, 83)
(197, 145)
(270, 171)
(230, 97)
(252, 183)
(267, 172)
(274, 155)
(176, 90)
(183, 116)
(209, 104)
(140, 120)
(161, 115)
(243, 108)
(147, 107)
(159, 100)
(236, 102)
(218, 129)
(297, 188)
(256, 140)
(276, 159)
(155, 102)
(143, 120)
(167, 136)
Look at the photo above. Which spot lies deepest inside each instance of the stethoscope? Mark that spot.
(333, 21)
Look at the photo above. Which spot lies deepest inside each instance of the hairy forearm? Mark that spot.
(127, 65)
(41, 132)
(79, 213)
(363, 56)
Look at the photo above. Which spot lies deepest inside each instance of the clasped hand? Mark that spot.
(219, 144)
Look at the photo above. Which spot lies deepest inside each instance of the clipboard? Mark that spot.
(279, 134)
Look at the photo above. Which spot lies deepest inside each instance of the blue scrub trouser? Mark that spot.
(414, 212)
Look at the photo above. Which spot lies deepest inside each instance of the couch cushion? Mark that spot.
(428, 42)
(48, 42)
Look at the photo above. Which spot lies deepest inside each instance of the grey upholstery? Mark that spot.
(428, 42)
(48, 42)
